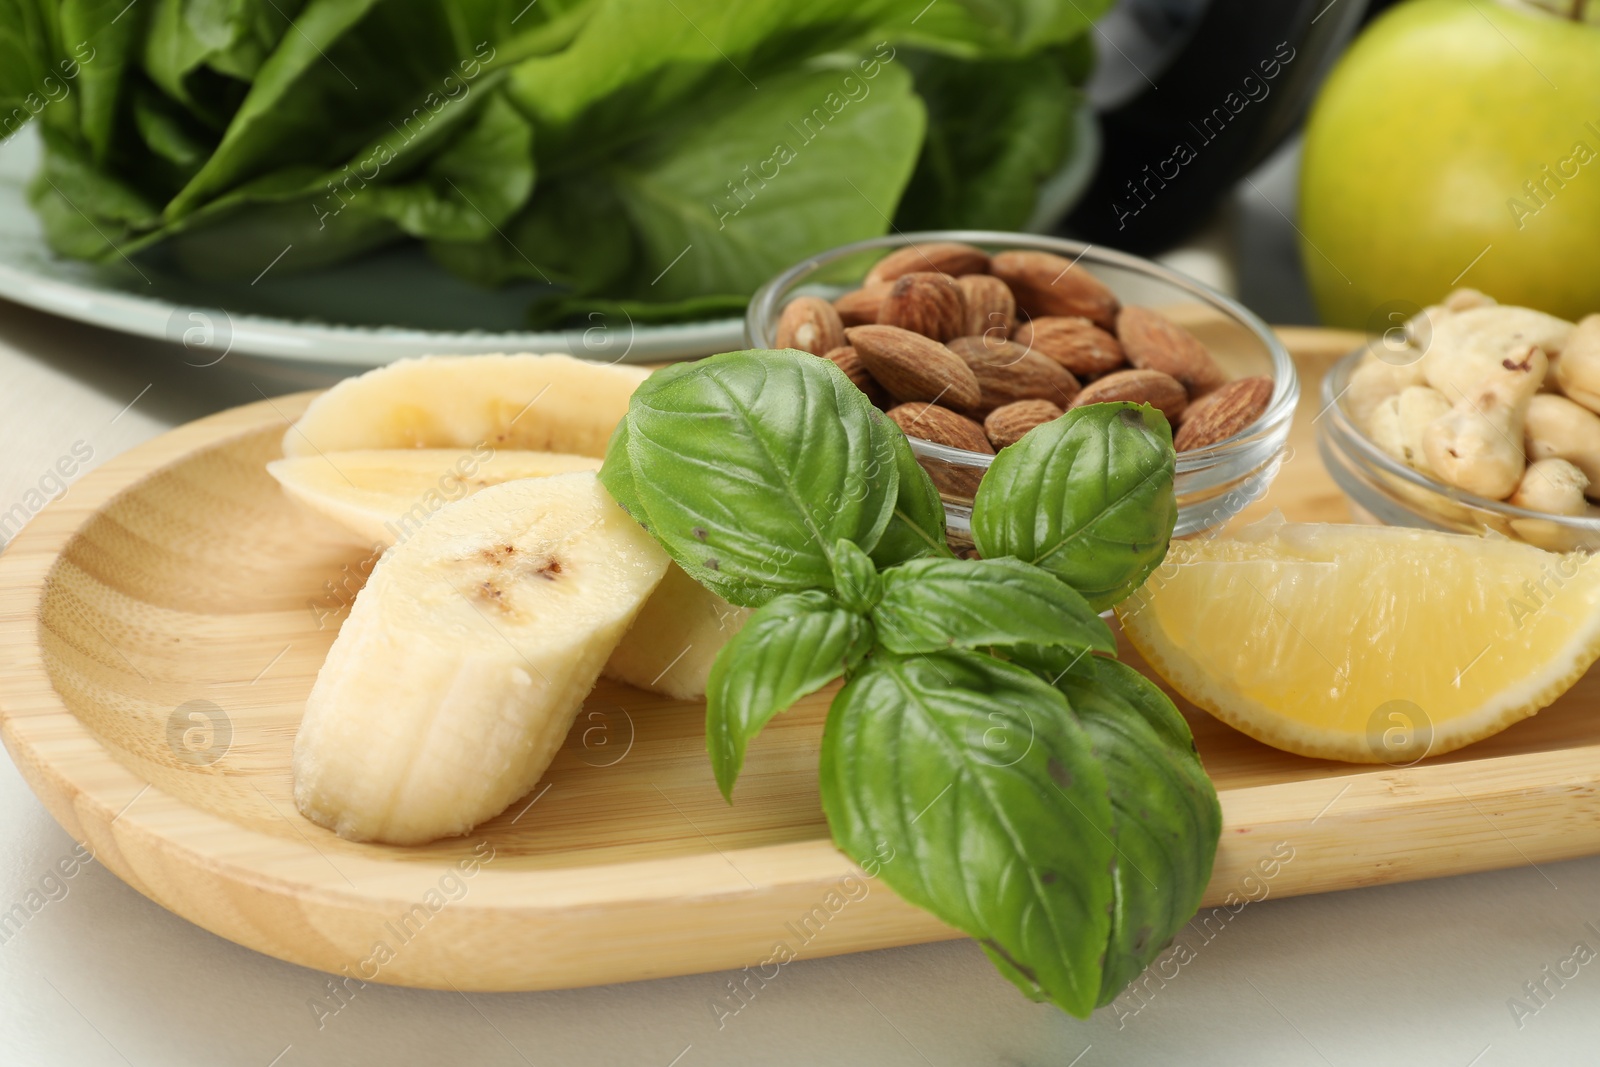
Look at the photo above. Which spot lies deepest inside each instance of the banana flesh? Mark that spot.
(466, 658)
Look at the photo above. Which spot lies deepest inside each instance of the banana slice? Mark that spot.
(671, 646)
(466, 658)
(538, 403)
(382, 495)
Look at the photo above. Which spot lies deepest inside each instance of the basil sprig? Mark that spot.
(1039, 795)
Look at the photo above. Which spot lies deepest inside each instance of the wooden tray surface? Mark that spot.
(175, 588)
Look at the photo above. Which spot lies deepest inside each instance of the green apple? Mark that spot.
(1457, 143)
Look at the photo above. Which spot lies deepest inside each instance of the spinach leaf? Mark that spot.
(933, 604)
(995, 27)
(634, 62)
(1165, 817)
(111, 29)
(917, 527)
(1087, 497)
(27, 49)
(349, 71)
(298, 80)
(466, 191)
(734, 188)
(83, 209)
(997, 129)
(793, 645)
(977, 775)
(572, 232)
(752, 465)
(619, 314)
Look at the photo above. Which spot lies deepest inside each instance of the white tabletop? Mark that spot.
(1418, 974)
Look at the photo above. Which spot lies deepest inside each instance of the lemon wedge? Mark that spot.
(1367, 644)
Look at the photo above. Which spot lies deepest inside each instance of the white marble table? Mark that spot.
(1419, 974)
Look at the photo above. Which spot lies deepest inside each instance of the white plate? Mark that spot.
(385, 306)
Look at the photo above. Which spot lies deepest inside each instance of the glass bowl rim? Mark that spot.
(1285, 380)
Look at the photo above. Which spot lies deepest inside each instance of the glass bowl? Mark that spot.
(1213, 484)
(1383, 488)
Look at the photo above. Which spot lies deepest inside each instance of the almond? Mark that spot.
(859, 307)
(810, 324)
(941, 426)
(1007, 372)
(1007, 425)
(945, 257)
(1046, 284)
(1154, 342)
(914, 367)
(927, 303)
(1161, 391)
(990, 305)
(1223, 413)
(1074, 342)
(846, 359)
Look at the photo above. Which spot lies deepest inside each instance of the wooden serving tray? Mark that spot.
(175, 589)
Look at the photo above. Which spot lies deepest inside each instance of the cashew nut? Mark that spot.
(1467, 345)
(1419, 408)
(1375, 381)
(1477, 444)
(1556, 428)
(1419, 328)
(1399, 422)
(1386, 429)
(1554, 487)
(1578, 371)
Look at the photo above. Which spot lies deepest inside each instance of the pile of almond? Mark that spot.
(972, 351)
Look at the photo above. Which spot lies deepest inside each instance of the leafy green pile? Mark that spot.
(1037, 794)
(669, 154)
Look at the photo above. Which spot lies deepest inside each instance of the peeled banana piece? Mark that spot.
(382, 495)
(676, 638)
(537, 403)
(466, 658)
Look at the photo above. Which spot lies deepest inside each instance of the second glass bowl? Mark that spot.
(1393, 493)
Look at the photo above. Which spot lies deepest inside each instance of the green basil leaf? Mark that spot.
(1050, 662)
(616, 474)
(752, 465)
(1088, 497)
(917, 527)
(977, 775)
(855, 578)
(932, 604)
(790, 646)
(1165, 817)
